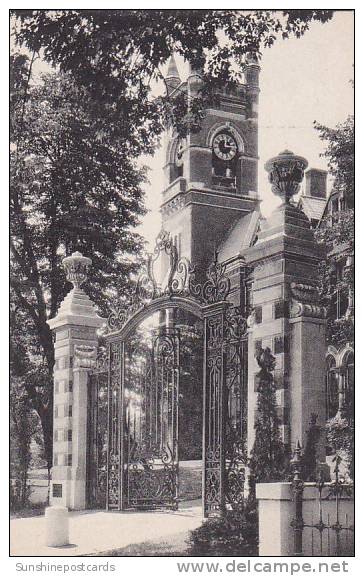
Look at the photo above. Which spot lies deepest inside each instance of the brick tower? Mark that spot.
(211, 176)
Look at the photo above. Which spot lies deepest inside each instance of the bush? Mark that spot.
(236, 534)
(340, 436)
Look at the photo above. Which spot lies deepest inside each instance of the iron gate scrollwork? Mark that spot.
(235, 348)
(143, 388)
(225, 410)
(150, 466)
(97, 430)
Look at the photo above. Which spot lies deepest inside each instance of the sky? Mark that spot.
(301, 80)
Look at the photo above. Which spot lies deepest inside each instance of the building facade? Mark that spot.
(212, 228)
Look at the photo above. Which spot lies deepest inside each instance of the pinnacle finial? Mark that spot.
(172, 71)
(172, 78)
(76, 267)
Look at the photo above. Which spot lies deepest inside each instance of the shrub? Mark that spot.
(236, 534)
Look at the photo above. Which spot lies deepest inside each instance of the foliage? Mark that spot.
(76, 136)
(340, 155)
(73, 186)
(29, 511)
(340, 435)
(190, 387)
(139, 348)
(23, 427)
(235, 534)
(268, 459)
(336, 231)
(121, 52)
(336, 271)
(309, 457)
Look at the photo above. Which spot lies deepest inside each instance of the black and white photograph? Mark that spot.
(181, 232)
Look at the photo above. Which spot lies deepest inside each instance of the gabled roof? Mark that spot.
(239, 237)
(312, 207)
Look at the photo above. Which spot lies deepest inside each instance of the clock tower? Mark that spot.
(211, 175)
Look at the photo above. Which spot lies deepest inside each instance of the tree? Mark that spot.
(336, 232)
(268, 458)
(190, 392)
(23, 427)
(341, 436)
(73, 186)
(116, 55)
(309, 457)
(340, 155)
(77, 135)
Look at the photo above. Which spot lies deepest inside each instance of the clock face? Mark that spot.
(224, 146)
(179, 152)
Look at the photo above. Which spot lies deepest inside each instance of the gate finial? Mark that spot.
(76, 267)
(285, 174)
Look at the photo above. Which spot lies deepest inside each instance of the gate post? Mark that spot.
(74, 329)
(287, 316)
(214, 410)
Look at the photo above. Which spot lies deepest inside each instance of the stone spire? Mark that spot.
(172, 78)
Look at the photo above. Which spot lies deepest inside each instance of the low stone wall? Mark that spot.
(190, 483)
(276, 512)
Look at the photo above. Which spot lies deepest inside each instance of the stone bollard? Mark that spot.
(57, 526)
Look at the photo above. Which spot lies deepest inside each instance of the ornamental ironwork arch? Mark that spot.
(224, 389)
(180, 287)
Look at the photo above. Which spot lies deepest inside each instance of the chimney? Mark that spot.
(316, 183)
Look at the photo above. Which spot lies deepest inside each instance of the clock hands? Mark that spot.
(224, 146)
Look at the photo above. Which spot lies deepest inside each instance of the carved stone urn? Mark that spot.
(285, 173)
(76, 267)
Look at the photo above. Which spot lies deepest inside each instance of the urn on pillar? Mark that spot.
(285, 173)
(76, 267)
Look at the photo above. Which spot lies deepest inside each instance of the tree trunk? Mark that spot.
(46, 419)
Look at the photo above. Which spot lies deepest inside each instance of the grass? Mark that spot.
(177, 545)
(29, 511)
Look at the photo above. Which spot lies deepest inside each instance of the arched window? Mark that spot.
(181, 143)
(175, 158)
(332, 388)
(349, 384)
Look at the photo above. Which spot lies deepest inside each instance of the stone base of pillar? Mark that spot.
(68, 488)
(60, 492)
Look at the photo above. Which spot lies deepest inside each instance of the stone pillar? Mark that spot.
(74, 329)
(287, 317)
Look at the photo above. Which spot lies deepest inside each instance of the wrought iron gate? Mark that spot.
(150, 463)
(143, 388)
(96, 470)
(142, 468)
